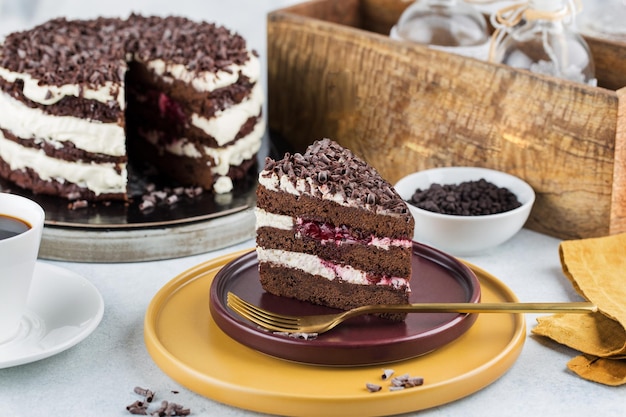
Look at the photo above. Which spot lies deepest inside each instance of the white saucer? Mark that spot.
(63, 309)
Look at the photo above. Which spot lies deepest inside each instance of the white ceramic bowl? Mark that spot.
(466, 235)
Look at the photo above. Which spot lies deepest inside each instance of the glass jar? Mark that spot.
(450, 25)
(540, 38)
(604, 19)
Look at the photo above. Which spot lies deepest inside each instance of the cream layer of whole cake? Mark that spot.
(109, 138)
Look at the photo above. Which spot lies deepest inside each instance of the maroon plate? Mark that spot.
(365, 340)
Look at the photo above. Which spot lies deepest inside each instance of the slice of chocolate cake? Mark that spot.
(331, 231)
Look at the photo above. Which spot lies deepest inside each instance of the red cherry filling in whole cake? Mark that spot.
(171, 110)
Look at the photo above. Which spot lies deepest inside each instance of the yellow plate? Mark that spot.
(187, 345)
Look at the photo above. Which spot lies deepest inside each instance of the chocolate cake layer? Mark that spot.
(150, 108)
(68, 152)
(141, 81)
(187, 171)
(169, 132)
(109, 112)
(30, 180)
(328, 211)
(393, 262)
(294, 283)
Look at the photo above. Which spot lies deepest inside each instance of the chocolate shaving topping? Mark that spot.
(328, 166)
(138, 408)
(92, 52)
(166, 409)
(373, 387)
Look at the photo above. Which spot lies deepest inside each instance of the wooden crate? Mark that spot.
(333, 72)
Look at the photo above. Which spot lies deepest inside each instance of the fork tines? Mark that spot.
(263, 318)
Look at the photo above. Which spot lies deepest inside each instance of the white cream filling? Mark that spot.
(386, 242)
(109, 138)
(311, 264)
(308, 186)
(232, 155)
(46, 94)
(283, 222)
(225, 125)
(316, 266)
(223, 185)
(50, 94)
(278, 221)
(91, 136)
(99, 178)
(206, 81)
(283, 183)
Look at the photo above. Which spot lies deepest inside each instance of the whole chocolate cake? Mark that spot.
(78, 97)
(331, 231)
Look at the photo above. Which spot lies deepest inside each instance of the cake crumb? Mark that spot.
(298, 335)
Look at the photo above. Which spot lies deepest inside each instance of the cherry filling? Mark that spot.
(327, 232)
(171, 110)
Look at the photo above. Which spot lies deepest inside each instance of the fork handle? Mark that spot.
(575, 307)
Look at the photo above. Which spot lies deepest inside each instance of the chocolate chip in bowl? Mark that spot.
(466, 210)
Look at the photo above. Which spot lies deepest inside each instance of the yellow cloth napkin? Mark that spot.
(597, 269)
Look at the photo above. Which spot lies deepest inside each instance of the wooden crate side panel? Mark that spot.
(343, 12)
(618, 208)
(404, 107)
(380, 15)
(610, 61)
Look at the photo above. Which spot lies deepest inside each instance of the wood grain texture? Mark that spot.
(618, 202)
(405, 107)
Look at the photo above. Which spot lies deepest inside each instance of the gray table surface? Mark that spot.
(97, 376)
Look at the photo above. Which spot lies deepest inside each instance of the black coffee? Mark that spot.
(11, 226)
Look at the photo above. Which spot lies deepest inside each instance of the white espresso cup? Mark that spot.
(18, 255)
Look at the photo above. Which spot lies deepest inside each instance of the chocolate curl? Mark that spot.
(373, 387)
(171, 409)
(138, 408)
(146, 393)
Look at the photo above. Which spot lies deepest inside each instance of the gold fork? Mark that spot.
(323, 323)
